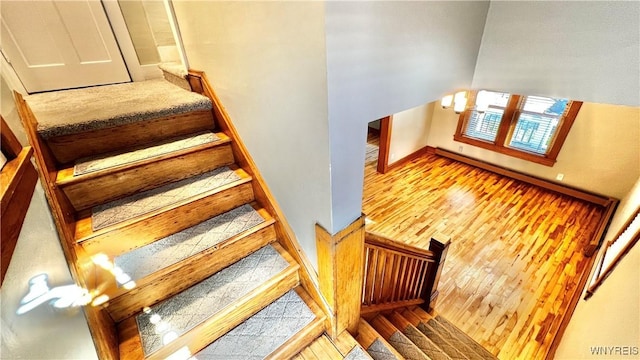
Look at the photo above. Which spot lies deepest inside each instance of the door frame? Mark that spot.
(137, 71)
(385, 143)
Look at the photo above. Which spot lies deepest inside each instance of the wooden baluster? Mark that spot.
(439, 245)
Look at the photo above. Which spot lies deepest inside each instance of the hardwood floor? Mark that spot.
(515, 257)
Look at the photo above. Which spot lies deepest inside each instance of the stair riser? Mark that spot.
(159, 224)
(68, 148)
(216, 326)
(180, 276)
(119, 184)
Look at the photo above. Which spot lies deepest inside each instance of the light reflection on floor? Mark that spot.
(69, 296)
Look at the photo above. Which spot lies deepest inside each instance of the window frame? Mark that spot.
(507, 126)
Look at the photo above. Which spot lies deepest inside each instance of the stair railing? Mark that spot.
(397, 275)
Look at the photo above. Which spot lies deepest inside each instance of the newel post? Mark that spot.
(340, 272)
(439, 245)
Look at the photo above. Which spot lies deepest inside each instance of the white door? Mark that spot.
(60, 44)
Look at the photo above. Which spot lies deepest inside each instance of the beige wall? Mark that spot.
(611, 317)
(410, 131)
(601, 153)
(266, 61)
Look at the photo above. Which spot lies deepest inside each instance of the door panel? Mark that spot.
(60, 44)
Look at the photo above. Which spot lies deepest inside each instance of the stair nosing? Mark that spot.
(72, 180)
(80, 238)
(290, 273)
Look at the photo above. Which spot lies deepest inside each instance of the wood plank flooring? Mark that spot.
(515, 257)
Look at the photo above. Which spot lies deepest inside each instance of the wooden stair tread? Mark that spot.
(136, 205)
(133, 177)
(144, 266)
(203, 312)
(110, 162)
(321, 348)
(212, 202)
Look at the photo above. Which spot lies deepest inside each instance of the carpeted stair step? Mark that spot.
(279, 331)
(196, 316)
(349, 347)
(112, 117)
(397, 339)
(454, 336)
(172, 264)
(453, 349)
(441, 322)
(123, 173)
(376, 345)
(323, 348)
(135, 221)
(418, 338)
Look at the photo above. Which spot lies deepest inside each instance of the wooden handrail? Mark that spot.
(397, 274)
(376, 239)
(601, 273)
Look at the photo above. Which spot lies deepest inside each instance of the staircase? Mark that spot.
(412, 333)
(164, 218)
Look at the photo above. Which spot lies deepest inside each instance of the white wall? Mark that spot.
(410, 131)
(266, 61)
(611, 317)
(584, 50)
(41, 333)
(601, 153)
(383, 58)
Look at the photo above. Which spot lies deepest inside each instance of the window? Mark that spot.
(528, 127)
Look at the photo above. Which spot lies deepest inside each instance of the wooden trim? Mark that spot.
(627, 248)
(368, 309)
(566, 317)
(414, 155)
(199, 83)
(102, 327)
(340, 270)
(17, 183)
(507, 125)
(601, 231)
(505, 150)
(10, 145)
(546, 184)
(563, 131)
(508, 121)
(600, 276)
(386, 124)
(439, 247)
(383, 241)
(624, 227)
